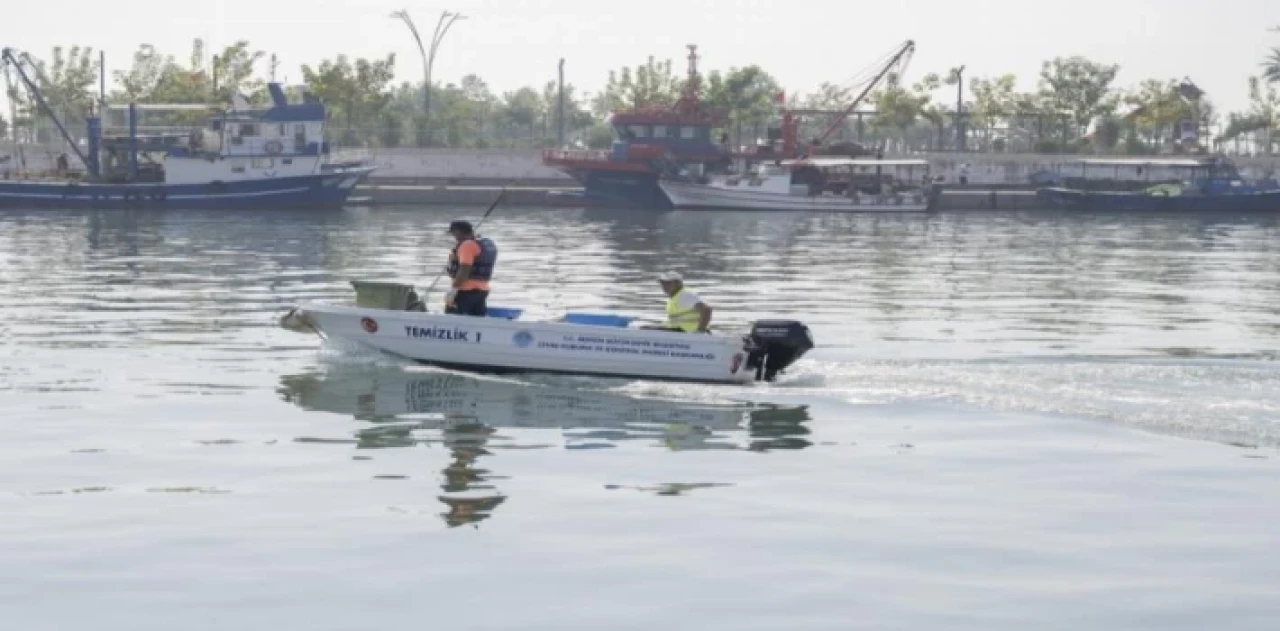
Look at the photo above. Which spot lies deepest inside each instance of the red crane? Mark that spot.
(789, 126)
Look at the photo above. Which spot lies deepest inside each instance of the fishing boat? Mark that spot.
(814, 184)
(1210, 183)
(600, 344)
(648, 142)
(241, 157)
(656, 145)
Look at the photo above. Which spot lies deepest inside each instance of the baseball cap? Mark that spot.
(668, 277)
(460, 226)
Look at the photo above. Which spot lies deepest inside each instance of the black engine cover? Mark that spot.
(775, 345)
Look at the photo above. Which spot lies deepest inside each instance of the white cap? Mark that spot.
(671, 277)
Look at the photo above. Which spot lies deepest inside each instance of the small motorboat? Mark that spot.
(389, 317)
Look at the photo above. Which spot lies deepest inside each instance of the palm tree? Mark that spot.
(1271, 66)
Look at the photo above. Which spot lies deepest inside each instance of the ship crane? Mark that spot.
(11, 58)
(898, 59)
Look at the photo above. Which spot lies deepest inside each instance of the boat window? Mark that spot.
(688, 132)
(638, 131)
(237, 169)
(263, 163)
(280, 130)
(248, 129)
(287, 160)
(660, 131)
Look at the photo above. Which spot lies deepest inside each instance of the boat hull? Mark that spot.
(1261, 201)
(685, 195)
(618, 189)
(327, 189)
(496, 345)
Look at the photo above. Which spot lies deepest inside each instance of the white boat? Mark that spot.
(575, 343)
(813, 184)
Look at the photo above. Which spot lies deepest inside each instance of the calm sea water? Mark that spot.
(1013, 421)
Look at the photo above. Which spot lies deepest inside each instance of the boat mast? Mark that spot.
(7, 56)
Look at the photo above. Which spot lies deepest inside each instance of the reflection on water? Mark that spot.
(149, 442)
(468, 415)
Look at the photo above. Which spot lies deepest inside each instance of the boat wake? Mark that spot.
(1233, 400)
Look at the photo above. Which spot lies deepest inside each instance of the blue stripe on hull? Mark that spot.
(1268, 201)
(328, 189)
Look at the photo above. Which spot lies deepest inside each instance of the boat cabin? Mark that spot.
(166, 143)
(1138, 174)
(833, 176)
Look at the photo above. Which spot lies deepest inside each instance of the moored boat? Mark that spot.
(576, 343)
(1211, 184)
(649, 142)
(242, 157)
(814, 184)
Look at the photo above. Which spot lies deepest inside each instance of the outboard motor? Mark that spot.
(776, 344)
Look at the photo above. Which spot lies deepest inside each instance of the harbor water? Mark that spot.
(1012, 421)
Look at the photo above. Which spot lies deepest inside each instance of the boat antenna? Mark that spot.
(501, 194)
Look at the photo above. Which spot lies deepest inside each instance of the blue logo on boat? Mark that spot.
(522, 339)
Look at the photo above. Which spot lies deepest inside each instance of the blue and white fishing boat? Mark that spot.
(1208, 184)
(242, 157)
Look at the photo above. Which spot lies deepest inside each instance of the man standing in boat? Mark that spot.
(470, 267)
(685, 310)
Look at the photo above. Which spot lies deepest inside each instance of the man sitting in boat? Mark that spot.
(685, 310)
(471, 266)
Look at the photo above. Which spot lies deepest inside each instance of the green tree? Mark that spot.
(523, 110)
(1264, 107)
(1159, 106)
(356, 92)
(68, 84)
(746, 94)
(139, 82)
(234, 68)
(157, 78)
(994, 102)
(652, 84)
(899, 107)
(1271, 64)
(576, 116)
(1078, 88)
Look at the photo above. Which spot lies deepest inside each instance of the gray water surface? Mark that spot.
(1012, 421)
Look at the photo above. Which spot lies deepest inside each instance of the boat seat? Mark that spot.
(597, 319)
(506, 313)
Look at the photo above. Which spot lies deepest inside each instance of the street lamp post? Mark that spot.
(960, 135)
(428, 53)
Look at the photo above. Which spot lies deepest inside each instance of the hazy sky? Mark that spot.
(1217, 43)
